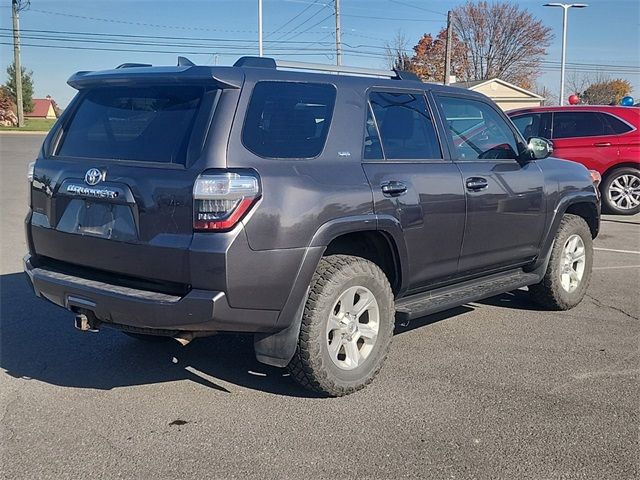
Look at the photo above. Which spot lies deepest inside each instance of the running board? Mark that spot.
(440, 299)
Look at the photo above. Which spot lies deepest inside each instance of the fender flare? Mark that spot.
(278, 348)
(563, 205)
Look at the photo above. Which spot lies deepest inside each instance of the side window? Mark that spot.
(616, 126)
(405, 126)
(477, 130)
(533, 125)
(372, 147)
(288, 119)
(578, 124)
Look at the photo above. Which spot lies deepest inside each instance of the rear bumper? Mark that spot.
(197, 311)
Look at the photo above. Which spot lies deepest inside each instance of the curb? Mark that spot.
(19, 132)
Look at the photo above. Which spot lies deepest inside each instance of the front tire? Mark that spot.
(621, 191)
(347, 326)
(565, 282)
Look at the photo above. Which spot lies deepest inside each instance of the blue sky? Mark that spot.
(606, 33)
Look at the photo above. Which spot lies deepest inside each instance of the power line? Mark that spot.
(292, 19)
(296, 31)
(418, 8)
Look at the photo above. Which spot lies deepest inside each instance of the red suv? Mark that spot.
(602, 138)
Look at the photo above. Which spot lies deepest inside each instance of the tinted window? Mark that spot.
(405, 126)
(151, 123)
(372, 147)
(533, 125)
(578, 124)
(477, 130)
(616, 126)
(288, 120)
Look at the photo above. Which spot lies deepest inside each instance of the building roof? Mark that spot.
(478, 83)
(41, 107)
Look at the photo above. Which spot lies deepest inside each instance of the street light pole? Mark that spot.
(565, 10)
(260, 27)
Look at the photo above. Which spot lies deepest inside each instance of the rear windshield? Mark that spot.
(288, 120)
(150, 123)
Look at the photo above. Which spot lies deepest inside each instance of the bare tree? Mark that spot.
(549, 97)
(577, 83)
(502, 41)
(396, 52)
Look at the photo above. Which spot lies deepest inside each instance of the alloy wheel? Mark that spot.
(352, 328)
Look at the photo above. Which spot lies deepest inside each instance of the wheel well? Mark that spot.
(620, 165)
(589, 212)
(374, 246)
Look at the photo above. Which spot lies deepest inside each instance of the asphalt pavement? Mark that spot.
(496, 389)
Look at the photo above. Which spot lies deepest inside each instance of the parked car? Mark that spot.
(602, 138)
(307, 208)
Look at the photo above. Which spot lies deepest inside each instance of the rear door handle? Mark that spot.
(394, 188)
(477, 183)
(602, 144)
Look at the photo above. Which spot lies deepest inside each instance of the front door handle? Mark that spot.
(602, 144)
(394, 188)
(476, 184)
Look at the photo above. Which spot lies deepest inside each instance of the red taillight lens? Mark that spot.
(220, 201)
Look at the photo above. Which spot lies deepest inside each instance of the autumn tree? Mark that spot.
(502, 40)
(27, 87)
(429, 57)
(6, 102)
(606, 92)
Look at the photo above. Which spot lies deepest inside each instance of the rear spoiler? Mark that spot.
(132, 74)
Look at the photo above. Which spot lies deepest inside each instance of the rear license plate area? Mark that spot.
(99, 219)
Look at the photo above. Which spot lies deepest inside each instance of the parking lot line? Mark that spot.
(617, 251)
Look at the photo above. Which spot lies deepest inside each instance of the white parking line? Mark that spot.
(617, 251)
(613, 268)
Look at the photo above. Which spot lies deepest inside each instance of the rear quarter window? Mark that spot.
(288, 120)
(150, 123)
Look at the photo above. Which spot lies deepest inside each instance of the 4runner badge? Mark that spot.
(93, 176)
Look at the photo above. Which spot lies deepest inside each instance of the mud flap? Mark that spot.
(277, 349)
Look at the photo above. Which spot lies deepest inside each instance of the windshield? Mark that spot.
(150, 123)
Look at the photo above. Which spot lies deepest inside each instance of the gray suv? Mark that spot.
(312, 209)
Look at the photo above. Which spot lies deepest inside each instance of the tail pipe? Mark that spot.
(87, 322)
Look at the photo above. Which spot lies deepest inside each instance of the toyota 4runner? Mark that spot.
(310, 208)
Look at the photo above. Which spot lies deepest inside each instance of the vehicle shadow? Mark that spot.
(38, 342)
(517, 300)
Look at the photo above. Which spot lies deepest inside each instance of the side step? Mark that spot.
(440, 299)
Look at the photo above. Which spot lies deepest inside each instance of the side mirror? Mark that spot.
(539, 148)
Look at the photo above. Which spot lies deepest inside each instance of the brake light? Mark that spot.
(220, 201)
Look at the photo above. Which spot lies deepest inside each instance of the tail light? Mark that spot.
(596, 178)
(220, 201)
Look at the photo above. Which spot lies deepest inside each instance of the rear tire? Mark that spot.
(621, 191)
(347, 326)
(567, 277)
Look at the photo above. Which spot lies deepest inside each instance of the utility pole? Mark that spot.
(338, 40)
(260, 27)
(447, 56)
(15, 8)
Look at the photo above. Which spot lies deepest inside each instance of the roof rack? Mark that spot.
(265, 62)
(133, 65)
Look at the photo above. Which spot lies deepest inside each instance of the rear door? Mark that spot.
(413, 182)
(584, 137)
(505, 200)
(113, 191)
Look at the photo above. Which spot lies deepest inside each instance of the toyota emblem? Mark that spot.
(93, 176)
